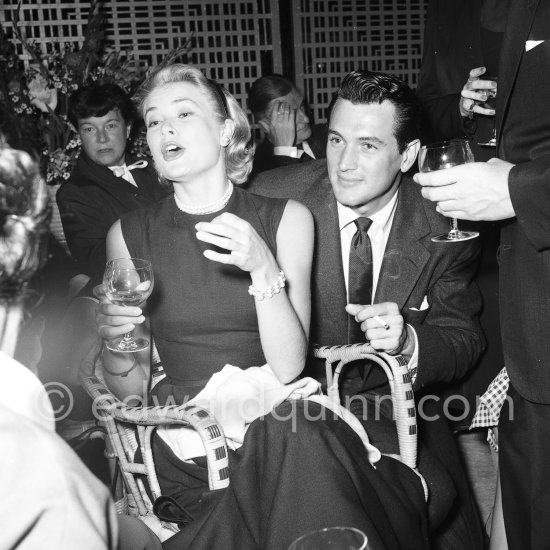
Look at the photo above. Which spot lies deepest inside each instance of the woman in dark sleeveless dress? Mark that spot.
(232, 285)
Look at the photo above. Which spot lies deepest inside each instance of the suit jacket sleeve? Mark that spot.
(450, 337)
(441, 118)
(85, 228)
(530, 195)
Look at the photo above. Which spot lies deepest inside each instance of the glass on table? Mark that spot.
(128, 282)
(332, 538)
(440, 156)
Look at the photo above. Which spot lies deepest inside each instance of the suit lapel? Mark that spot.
(104, 178)
(405, 255)
(328, 271)
(520, 19)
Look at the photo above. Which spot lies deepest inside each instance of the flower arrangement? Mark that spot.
(34, 93)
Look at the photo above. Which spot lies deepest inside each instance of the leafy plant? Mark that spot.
(34, 93)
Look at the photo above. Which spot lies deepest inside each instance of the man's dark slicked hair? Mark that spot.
(365, 87)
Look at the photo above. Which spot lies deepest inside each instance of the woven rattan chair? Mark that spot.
(404, 407)
(128, 427)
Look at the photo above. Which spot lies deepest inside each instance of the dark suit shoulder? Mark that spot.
(411, 194)
(289, 182)
(422, 213)
(78, 186)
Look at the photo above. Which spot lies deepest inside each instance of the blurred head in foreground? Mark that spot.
(24, 219)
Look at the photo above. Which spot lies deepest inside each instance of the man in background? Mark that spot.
(280, 110)
(515, 188)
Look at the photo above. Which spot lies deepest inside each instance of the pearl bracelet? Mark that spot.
(269, 292)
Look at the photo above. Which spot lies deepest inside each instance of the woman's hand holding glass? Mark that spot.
(115, 320)
(126, 281)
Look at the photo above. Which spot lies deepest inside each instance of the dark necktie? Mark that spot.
(360, 275)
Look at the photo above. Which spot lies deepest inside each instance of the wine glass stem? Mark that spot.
(127, 338)
(454, 227)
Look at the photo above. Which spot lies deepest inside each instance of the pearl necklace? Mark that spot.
(207, 208)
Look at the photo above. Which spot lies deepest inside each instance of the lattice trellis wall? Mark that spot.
(235, 42)
(334, 37)
(232, 41)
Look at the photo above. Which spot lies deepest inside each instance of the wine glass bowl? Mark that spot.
(332, 538)
(128, 282)
(490, 103)
(440, 156)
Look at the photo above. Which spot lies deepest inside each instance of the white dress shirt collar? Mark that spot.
(124, 171)
(293, 151)
(382, 219)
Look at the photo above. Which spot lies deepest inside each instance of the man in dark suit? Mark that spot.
(517, 190)
(423, 291)
(280, 110)
(462, 43)
(101, 187)
(461, 39)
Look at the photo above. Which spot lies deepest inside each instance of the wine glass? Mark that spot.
(332, 538)
(439, 156)
(490, 103)
(128, 282)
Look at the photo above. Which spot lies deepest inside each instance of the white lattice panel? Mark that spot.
(335, 37)
(233, 42)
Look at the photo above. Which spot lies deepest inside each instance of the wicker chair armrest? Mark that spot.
(404, 408)
(200, 419)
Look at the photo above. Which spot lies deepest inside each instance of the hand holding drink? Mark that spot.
(128, 282)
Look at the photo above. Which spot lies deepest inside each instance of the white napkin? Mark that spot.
(237, 396)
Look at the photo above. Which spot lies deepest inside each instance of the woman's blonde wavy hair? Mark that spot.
(239, 152)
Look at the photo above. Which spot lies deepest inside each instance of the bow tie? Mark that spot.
(124, 171)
